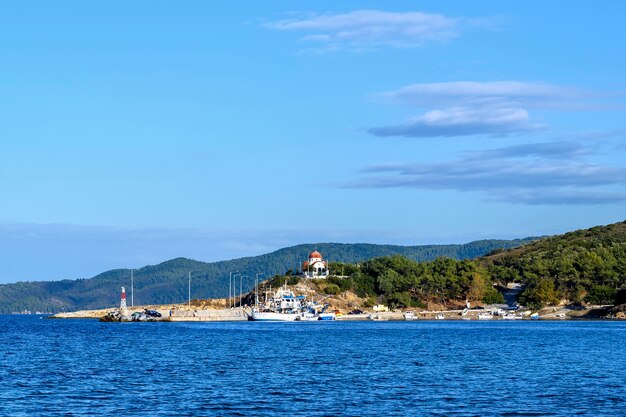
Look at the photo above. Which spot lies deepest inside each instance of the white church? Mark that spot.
(315, 267)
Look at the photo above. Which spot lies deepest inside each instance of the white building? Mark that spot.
(315, 267)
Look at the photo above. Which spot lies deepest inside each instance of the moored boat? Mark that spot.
(273, 316)
(327, 316)
(281, 306)
(410, 315)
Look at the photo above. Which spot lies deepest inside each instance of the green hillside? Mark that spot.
(582, 266)
(167, 282)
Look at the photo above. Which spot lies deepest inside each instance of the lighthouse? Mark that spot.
(123, 307)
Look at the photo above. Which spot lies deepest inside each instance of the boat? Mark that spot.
(410, 315)
(511, 316)
(327, 316)
(377, 317)
(440, 317)
(283, 305)
(485, 316)
(464, 312)
(535, 316)
(268, 315)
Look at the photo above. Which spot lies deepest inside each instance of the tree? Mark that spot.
(541, 294)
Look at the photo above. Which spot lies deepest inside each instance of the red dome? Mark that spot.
(315, 254)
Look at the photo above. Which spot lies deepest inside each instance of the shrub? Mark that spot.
(601, 294)
(332, 289)
(539, 295)
(493, 296)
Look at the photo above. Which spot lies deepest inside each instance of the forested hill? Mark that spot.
(167, 282)
(582, 266)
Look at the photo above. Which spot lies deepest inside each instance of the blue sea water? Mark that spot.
(469, 368)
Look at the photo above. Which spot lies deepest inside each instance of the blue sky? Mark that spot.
(134, 132)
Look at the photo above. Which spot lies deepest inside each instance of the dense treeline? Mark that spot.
(402, 282)
(167, 282)
(586, 266)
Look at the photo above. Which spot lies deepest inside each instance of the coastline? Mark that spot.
(184, 313)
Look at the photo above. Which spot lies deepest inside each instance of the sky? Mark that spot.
(135, 132)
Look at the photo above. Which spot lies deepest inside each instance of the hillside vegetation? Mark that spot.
(585, 266)
(166, 283)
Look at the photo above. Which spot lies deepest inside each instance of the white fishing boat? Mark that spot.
(440, 317)
(410, 315)
(268, 315)
(377, 317)
(485, 316)
(283, 305)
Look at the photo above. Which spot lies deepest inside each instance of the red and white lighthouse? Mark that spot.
(123, 307)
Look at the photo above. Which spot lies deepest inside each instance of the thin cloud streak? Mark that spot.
(463, 121)
(527, 94)
(548, 150)
(360, 30)
(516, 174)
(466, 108)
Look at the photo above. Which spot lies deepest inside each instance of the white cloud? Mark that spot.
(465, 108)
(372, 29)
(514, 93)
(462, 121)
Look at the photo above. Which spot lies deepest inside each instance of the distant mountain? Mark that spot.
(167, 282)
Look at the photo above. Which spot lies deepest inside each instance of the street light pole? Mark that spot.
(256, 290)
(240, 289)
(234, 297)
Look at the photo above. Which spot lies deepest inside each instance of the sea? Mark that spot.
(83, 367)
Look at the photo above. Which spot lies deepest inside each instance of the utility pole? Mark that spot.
(231, 301)
(240, 290)
(256, 290)
(231, 288)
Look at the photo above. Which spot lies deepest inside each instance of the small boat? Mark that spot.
(327, 316)
(377, 317)
(485, 316)
(464, 312)
(310, 315)
(440, 317)
(535, 316)
(511, 316)
(410, 315)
